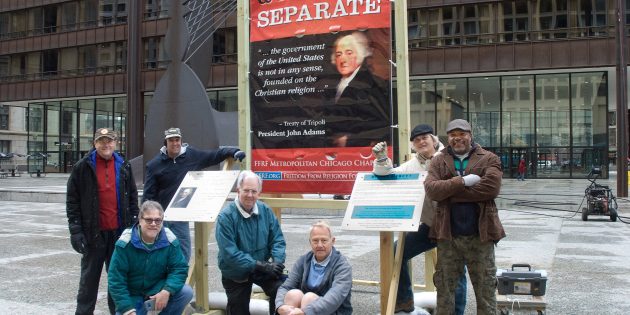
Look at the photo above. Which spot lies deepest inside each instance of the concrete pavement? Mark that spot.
(586, 262)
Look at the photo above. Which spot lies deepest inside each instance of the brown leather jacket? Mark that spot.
(445, 186)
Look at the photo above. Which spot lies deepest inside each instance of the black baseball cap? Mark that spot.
(420, 130)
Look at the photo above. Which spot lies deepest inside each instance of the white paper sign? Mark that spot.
(201, 196)
(385, 203)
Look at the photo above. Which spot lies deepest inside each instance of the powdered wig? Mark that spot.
(359, 42)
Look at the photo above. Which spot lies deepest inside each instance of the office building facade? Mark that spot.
(536, 78)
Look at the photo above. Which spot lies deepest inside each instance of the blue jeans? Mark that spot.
(182, 231)
(176, 303)
(417, 243)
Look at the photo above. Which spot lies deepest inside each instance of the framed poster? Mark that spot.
(320, 91)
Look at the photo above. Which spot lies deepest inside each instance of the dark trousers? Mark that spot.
(238, 293)
(92, 262)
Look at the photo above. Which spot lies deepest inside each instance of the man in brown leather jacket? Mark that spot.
(464, 180)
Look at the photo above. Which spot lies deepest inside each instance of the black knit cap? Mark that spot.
(420, 130)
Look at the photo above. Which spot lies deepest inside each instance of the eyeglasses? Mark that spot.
(157, 221)
(249, 191)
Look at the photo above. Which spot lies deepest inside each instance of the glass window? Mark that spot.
(50, 61)
(552, 110)
(36, 20)
(50, 19)
(422, 102)
(53, 115)
(106, 53)
(5, 61)
(32, 63)
(155, 9)
(68, 133)
(478, 19)
(484, 102)
(86, 125)
(19, 23)
(451, 102)
(5, 146)
(69, 16)
(104, 113)
(450, 26)
(120, 117)
(5, 22)
(152, 47)
(88, 12)
(68, 61)
(35, 127)
(589, 109)
(518, 111)
(121, 56)
(227, 101)
(224, 45)
(514, 21)
(551, 18)
(87, 59)
(4, 118)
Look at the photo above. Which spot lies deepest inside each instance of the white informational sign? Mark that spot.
(201, 196)
(385, 203)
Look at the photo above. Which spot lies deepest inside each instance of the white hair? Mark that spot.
(360, 43)
(247, 174)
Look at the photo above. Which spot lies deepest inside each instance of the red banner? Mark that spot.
(300, 170)
(320, 86)
(273, 19)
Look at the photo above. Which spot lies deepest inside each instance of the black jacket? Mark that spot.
(82, 205)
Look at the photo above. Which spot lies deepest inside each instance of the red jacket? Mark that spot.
(521, 166)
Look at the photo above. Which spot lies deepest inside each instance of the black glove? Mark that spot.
(270, 268)
(239, 155)
(79, 243)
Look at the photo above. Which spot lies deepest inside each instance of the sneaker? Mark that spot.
(406, 307)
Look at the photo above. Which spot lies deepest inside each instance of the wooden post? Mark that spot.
(387, 261)
(393, 287)
(200, 267)
(430, 259)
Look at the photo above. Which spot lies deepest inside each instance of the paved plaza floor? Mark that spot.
(586, 262)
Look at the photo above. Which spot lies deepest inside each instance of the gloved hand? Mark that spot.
(239, 155)
(270, 268)
(380, 151)
(471, 180)
(79, 243)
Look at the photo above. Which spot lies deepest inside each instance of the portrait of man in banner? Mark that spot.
(356, 107)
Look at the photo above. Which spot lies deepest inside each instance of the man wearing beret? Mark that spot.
(166, 171)
(426, 146)
(101, 201)
(464, 180)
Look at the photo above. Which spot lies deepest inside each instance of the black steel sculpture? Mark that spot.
(180, 98)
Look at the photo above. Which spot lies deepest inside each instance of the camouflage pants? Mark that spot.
(479, 258)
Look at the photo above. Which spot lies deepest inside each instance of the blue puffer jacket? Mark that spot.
(136, 271)
(243, 241)
(163, 174)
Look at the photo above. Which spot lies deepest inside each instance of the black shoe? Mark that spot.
(406, 307)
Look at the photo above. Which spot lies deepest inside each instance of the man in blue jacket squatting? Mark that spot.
(166, 171)
(251, 246)
(320, 281)
(148, 268)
